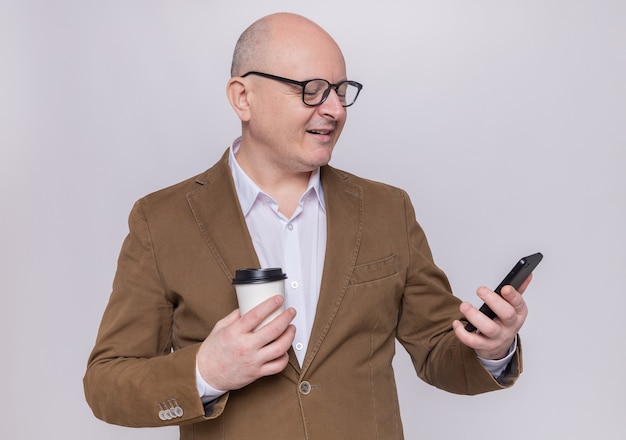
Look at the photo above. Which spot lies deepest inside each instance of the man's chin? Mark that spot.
(322, 159)
(316, 156)
(322, 155)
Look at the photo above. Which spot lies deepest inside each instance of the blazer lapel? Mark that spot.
(344, 223)
(218, 215)
(216, 208)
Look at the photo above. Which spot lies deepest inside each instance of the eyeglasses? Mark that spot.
(315, 91)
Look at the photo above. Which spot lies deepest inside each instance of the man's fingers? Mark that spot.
(525, 284)
(477, 318)
(514, 298)
(257, 314)
(507, 306)
(274, 355)
(228, 319)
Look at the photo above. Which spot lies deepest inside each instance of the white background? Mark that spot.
(504, 120)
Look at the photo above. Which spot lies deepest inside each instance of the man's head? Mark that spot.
(278, 128)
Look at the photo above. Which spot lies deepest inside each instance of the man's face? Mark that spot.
(288, 133)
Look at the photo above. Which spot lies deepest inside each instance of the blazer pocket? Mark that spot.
(374, 271)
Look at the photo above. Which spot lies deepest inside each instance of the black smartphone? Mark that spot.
(515, 278)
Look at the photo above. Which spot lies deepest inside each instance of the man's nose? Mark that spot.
(332, 105)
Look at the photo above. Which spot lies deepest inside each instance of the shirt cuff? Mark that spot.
(206, 391)
(497, 367)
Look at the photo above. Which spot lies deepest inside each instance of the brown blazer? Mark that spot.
(173, 283)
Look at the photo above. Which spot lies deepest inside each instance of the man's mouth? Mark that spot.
(322, 132)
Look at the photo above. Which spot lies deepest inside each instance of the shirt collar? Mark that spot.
(248, 191)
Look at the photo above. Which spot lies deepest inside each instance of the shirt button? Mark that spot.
(290, 227)
(294, 285)
(305, 387)
(299, 346)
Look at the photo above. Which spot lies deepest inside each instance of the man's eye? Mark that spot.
(315, 88)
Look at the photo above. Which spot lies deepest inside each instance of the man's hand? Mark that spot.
(494, 337)
(234, 355)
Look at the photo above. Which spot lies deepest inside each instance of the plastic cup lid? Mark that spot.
(250, 275)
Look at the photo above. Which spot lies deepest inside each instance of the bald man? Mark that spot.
(173, 347)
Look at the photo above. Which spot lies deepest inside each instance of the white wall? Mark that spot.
(504, 120)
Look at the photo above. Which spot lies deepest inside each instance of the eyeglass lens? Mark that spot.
(316, 91)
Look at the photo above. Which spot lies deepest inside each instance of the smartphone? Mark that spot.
(515, 278)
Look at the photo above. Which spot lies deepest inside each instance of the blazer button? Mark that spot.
(305, 387)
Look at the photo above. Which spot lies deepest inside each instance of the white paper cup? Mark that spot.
(253, 286)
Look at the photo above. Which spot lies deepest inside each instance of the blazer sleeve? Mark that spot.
(425, 325)
(134, 377)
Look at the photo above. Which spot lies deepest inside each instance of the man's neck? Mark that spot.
(283, 186)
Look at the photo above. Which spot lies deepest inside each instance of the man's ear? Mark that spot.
(237, 93)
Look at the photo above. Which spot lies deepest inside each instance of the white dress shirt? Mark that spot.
(297, 245)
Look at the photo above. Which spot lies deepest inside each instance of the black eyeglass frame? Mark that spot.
(303, 84)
